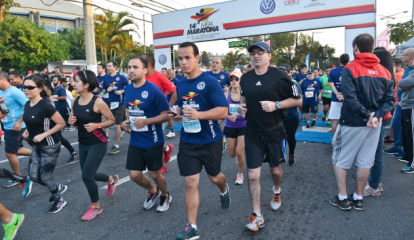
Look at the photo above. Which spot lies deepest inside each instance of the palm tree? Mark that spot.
(126, 47)
(232, 59)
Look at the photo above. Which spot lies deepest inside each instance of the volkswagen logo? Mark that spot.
(162, 59)
(267, 6)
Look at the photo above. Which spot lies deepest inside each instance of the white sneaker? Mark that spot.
(171, 134)
(239, 180)
(369, 191)
(164, 207)
(276, 202)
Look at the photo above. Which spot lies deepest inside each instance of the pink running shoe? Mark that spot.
(167, 154)
(92, 213)
(164, 169)
(111, 186)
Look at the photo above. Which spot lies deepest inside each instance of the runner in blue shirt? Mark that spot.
(101, 69)
(201, 103)
(16, 80)
(14, 100)
(114, 84)
(300, 77)
(312, 90)
(147, 110)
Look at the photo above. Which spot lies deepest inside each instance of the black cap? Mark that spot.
(310, 71)
(284, 67)
(261, 45)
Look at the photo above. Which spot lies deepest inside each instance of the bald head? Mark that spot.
(217, 64)
(170, 74)
(408, 56)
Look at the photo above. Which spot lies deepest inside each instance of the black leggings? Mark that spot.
(65, 142)
(4, 173)
(90, 158)
(291, 125)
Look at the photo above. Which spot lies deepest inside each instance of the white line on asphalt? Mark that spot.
(3, 161)
(126, 179)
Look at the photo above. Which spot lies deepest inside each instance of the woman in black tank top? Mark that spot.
(86, 115)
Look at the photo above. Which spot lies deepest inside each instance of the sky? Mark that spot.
(334, 37)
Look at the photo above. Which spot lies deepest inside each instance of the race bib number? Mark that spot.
(233, 109)
(105, 95)
(133, 128)
(191, 126)
(309, 94)
(114, 105)
(114, 88)
(55, 97)
(328, 93)
(4, 119)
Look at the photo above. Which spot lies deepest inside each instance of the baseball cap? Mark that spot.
(284, 67)
(261, 45)
(30, 72)
(236, 73)
(310, 71)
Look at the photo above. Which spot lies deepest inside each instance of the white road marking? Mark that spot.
(316, 129)
(127, 179)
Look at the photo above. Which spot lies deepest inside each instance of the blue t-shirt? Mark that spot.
(101, 81)
(146, 101)
(15, 101)
(201, 93)
(222, 77)
(179, 77)
(174, 81)
(335, 77)
(299, 77)
(310, 90)
(59, 92)
(119, 82)
(293, 111)
(20, 87)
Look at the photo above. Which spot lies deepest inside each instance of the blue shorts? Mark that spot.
(13, 140)
(312, 107)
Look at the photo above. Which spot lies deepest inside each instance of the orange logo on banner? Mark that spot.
(204, 14)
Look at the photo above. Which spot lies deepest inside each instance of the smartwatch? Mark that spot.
(278, 105)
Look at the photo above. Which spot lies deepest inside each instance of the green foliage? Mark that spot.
(401, 32)
(25, 46)
(5, 6)
(205, 60)
(233, 58)
(76, 41)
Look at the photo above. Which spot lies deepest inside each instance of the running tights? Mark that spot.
(291, 125)
(90, 158)
(65, 142)
(4, 173)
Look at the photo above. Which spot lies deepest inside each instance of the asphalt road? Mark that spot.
(305, 213)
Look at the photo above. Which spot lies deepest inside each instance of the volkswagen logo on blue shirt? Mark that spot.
(267, 6)
(162, 59)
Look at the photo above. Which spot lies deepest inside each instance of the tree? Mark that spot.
(401, 32)
(306, 45)
(126, 47)
(23, 45)
(232, 59)
(205, 60)
(5, 6)
(76, 41)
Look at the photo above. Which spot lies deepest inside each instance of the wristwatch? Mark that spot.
(278, 105)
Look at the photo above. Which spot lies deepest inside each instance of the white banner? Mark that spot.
(351, 34)
(162, 58)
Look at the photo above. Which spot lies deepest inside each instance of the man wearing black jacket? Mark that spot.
(45, 75)
(368, 97)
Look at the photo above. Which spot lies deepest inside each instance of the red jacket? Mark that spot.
(367, 88)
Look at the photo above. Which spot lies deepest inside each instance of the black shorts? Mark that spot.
(313, 107)
(234, 132)
(192, 157)
(142, 159)
(326, 101)
(264, 147)
(119, 113)
(13, 140)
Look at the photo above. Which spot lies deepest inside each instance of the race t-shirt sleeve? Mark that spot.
(124, 81)
(320, 85)
(62, 92)
(330, 78)
(167, 84)
(160, 101)
(179, 99)
(216, 95)
(49, 109)
(21, 98)
(241, 87)
(289, 89)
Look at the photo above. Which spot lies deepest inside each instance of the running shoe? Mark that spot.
(189, 233)
(114, 150)
(92, 213)
(27, 187)
(11, 229)
(303, 119)
(62, 190)
(112, 186)
(400, 158)
(308, 125)
(10, 184)
(57, 205)
(354, 175)
(380, 187)
(70, 129)
(72, 157)
(225, 200)
(239, 179)
(407, 170)
(167, 154)
(324, 118)
(164, 203)
(224, 146)
(164, 169)
(392, 151)
(66, 129)
(291, 160)
(122, 133)
(255, 223)
(276, 202)
(357, 204)
(369, 191)
(170, 134)
(313, 123)
(344, 204)
(329, 123)
(355, 166)
(151, 199)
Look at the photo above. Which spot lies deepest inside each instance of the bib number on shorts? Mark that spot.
(233, 109)
(328, 93)
(114, 105)
(191, 126)
(4, 119)
(133, 128)
(309, 94)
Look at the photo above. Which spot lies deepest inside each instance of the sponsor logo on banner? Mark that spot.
(205, 27)
(289, 3)
(267, 6)
(315, 3)
(162, 59)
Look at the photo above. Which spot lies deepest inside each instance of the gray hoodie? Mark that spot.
(407, 97)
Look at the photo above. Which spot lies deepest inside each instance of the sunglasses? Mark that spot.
(29, 87)
(234, 79)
